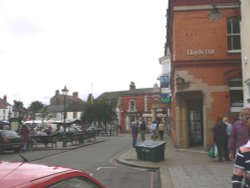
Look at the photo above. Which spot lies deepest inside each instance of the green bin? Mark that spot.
(151, 151)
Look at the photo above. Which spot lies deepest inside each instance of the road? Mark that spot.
(99, 161)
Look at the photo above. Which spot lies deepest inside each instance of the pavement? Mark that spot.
(184, 168)
(180, 168)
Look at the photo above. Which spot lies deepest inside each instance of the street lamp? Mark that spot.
(64, 92)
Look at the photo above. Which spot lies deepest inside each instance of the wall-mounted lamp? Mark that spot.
(214, 14)
(245, 60)
(179, 79)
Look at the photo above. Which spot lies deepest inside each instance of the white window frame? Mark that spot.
(248, 91)
(232, 35)
(236, 107)
(131, 108)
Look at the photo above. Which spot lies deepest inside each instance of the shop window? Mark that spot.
(233, 34)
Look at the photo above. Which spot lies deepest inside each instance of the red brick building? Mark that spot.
(203, 42)
(135, 103)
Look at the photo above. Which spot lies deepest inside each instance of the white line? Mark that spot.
(91, 174)
(99, 168)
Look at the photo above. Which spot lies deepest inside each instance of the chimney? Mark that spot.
(57, 92)
(75, 94)
(132, 86)
(5, 98)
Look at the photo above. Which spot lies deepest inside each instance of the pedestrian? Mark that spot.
(153, 129)
(24, 132)
(241, 165)
(239, 136)
(161, 129)
(134, 132)
(142, 126)
(229, 127)
(220, 139)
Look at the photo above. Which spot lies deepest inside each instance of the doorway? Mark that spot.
(195, 122)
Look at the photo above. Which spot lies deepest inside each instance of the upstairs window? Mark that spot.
(233, 34)
(131, 105)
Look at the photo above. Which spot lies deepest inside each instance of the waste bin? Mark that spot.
(151, 151)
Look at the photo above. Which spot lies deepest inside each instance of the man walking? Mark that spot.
(134, 132)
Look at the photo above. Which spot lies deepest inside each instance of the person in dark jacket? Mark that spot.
(134, 132)
(221, 139)
(24, 132)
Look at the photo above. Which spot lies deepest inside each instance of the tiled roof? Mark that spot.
(73, 104)
(116, 94)
(56, 108)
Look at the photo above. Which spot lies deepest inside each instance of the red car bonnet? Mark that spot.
(16, 173)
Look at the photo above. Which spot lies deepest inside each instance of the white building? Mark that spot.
(245, 50)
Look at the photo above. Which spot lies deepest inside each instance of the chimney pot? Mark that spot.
(132, 86)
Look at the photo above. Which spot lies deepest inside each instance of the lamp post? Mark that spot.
(64, 92)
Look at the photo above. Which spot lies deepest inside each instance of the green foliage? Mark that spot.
(35, 107)
(45, 114)
(18, 104)
(100, 111)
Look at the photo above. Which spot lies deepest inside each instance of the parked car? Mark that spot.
(97, 130)
(30, 175)
(10, 141)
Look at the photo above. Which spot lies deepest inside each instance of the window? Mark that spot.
(233, 34)
(75, 115)
(4, 114)
(248, 90)
(236, 93)
(131, 105)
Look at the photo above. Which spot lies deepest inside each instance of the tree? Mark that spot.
(35, 107)
(44, 114)
(18, 105)
(102, 111)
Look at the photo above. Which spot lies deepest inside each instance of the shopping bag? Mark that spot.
(215, 150)
(211, 152)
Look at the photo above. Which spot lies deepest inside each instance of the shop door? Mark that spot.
(195, 122)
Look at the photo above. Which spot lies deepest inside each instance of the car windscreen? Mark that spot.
(75, 182)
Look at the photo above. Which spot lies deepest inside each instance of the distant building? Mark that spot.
(5, 109)
(135, 103)
(74, 106)
(245, 51)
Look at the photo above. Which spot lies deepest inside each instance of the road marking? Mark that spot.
(99, 168)
(91, 174)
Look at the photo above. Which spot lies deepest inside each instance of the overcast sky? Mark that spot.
(91, 46)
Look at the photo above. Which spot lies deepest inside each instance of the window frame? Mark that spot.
(235, 84)
(231, 35)
(131, 108)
